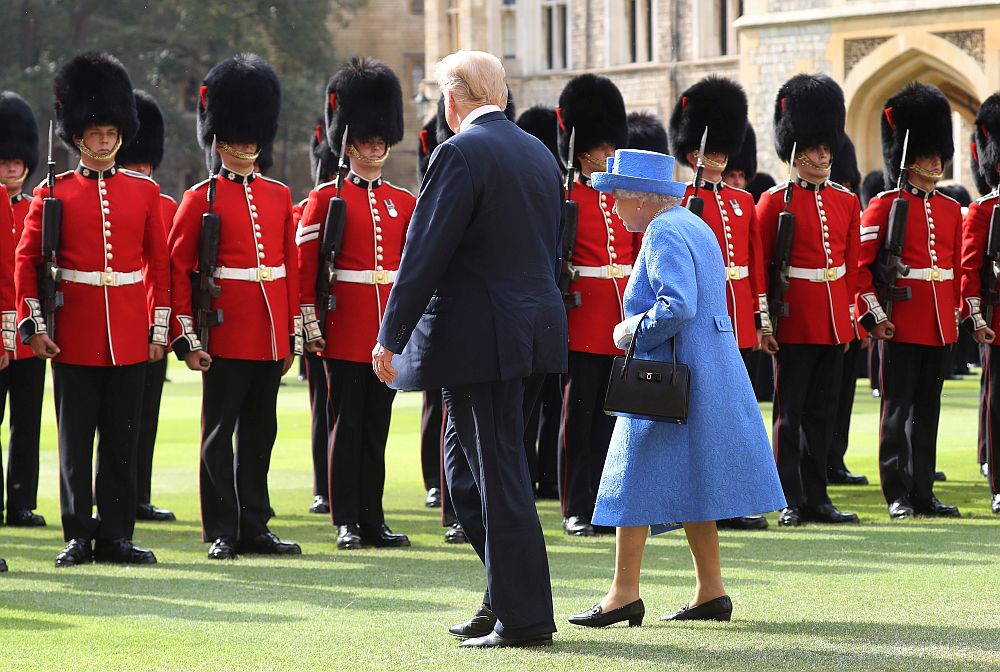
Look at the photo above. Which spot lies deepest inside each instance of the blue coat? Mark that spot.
(719, 464)
(475, 299)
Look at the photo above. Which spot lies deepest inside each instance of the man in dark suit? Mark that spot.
(476, 311)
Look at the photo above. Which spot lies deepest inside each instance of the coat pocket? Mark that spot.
(723, 323)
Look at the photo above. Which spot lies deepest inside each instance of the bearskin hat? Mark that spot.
(746, 158)
(540, 121)
(594, 106)
(845, 165)
(925, 112)
(426, 145)
(322, 162)
(265, 160)
(18, 130)
(957, 192)
(978, 177)
(646, 132)
(716, 102)
(760, 183)
(809, 110)
(239, 101)
(147, 146)
(871, 186)
(94, 89)
(987, 139)
(444, 131)
(364, 94)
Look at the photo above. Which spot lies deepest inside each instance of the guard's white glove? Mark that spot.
(624, 331)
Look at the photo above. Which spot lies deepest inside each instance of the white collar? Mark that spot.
(476, 113)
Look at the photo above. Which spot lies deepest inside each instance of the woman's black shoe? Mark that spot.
(719, 609)
(595, 617)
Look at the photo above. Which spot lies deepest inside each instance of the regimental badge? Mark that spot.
(391, 208)
(735, 205)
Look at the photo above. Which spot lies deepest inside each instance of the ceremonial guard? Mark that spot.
(102, 333)
(234, 235)
(597, 260)
(979, 176)
(741, 168)
(811, 280)
(143, 155)
(24, 379)
(7, 299)
(647, 133)
(358, 253)
(912, 311)
(980, 295)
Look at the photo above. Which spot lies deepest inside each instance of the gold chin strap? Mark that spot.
(367, 160)
(923, 172)
(231, 151)
(803, 159)
(719, 165)
(596, 164)
(98, 156)
(15, 181)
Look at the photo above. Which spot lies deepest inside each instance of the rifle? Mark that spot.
(990, 271)
(570, 223)
(48, 271)
(782, 253)
(889, 264)
(333, 237)
(696, 204)
(202, 280)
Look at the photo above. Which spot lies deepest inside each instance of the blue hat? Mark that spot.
(639, 170)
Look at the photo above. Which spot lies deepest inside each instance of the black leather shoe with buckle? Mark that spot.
(719, 609)
(596, 617)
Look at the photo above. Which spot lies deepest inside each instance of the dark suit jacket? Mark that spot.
(475, 299)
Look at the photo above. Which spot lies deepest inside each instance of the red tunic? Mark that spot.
(601, 241)
(259, 315)
(111, 224)
(168, 208)
(378, 215)
(826, 236)
(976, 231)
(933, 242)
(732, 216)
(19, 204)
(8, 313)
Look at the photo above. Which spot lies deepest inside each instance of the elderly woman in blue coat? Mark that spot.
(662, 476)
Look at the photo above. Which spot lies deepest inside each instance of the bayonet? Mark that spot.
(902, 161)
(695, 204)
(342, 165)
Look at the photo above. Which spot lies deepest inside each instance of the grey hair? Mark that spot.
(662, 200)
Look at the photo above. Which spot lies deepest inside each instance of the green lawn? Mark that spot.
(915, 595)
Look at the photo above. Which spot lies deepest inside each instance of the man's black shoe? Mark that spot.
(76, 552)
(380, 536)
(901, 509)
(481, 624)
(268, 543)
(933, 507)
(3, 565)
(719, 609)
(320, 505)
(348, 537)
(744, 523)
(790, 517)
(827, 513)
(495, 641)
(24, 518)
(122, 552)
(433, 500)
(150, 512)
(844, 477)
(222, 548)
(995, 504)
(455, 535)
(940, 476)
(578, 526)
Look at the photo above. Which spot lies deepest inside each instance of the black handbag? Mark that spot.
(648, 389)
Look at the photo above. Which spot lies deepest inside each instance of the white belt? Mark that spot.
(817, 274)
(930, 274)
(256, 274)
(366, 277)
(100, 278)
(611, 271)
(737, 272)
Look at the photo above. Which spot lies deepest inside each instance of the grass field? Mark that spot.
(913, 595)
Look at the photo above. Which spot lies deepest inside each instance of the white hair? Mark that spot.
(473, 78)
(662, 200)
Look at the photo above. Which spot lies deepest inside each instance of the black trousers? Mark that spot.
(585, 433)
(432, 430)
(992, 405)
(105, 401)
(361, 408)
(845, 405)
(239, 397)
(319, 404)
(806, 384)
(984, 409)
(911, 381)
(541, 433)
(490, 485)
(152, 392)
(24, 381)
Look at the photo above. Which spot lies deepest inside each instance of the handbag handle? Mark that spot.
(630, 354)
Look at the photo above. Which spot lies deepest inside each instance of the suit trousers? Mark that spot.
(105, 401)
(585, 433)
(433, 422)
(239, 396)
(490, 485)
(361, 408)
(24, 382)
(319, 404)
(911, 380)
(152, 393)
(806, 385)
(992, 418)
(845, 406)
